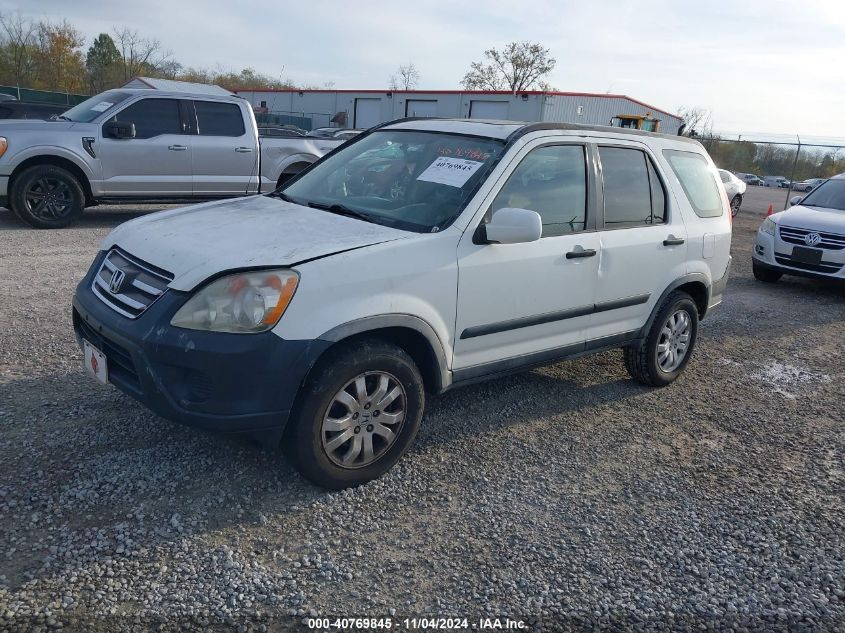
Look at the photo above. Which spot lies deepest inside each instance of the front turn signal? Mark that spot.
(3, 145)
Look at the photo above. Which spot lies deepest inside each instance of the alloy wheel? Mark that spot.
(49, 199)
(673, 344)
(363, 419)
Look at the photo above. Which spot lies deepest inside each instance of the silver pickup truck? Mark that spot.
(131, 145)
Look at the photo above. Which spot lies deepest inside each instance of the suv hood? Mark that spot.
(815, 218)
(199, 241)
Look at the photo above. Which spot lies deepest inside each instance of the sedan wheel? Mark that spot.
(736, 203)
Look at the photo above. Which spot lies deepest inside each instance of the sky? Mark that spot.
(767, 66)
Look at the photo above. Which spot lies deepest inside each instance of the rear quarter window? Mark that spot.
(698, 182)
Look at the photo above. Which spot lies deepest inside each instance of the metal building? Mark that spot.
(365, 108)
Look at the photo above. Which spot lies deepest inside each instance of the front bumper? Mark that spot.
(773, 253)
(244, 383)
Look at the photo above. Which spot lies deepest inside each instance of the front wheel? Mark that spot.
(358, 413)
(47, 197)
(736, 203)
(662, 355)
(766, 275)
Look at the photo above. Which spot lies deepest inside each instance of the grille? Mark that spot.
(121, 367)
(142, 283)
(822, 267)
(830, 241)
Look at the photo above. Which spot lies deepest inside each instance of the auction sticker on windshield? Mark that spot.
(453, 172)
(102, 106)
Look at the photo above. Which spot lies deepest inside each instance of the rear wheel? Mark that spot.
(664, 353)
(47, 197)
(736, 203)
(359, 412)
(765, 275)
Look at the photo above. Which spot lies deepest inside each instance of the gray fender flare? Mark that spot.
(698, 277)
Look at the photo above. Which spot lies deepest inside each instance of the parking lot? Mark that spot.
(566, 497)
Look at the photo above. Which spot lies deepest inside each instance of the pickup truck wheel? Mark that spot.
(664, 353)
(47, 197)
(358, 413)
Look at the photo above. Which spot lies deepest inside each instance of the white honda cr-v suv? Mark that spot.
(420, 256)
(808, 239)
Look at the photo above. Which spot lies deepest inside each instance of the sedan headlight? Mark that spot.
(768, 226)
(240, 303)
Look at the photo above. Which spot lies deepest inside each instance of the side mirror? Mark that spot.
(795, 200)
(119, 129)
(514, 226)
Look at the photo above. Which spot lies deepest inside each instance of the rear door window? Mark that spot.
(633, 193)
(219, 119)
(698, 182)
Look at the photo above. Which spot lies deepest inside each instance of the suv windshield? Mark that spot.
(418, 181)
(829, 195)
(91, 108)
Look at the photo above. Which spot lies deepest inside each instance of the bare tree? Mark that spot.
(698, 121)
(138, 54)
(407, 77)
(516, 67)
(20, 35)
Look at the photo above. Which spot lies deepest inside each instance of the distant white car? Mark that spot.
(734, 187)
(807, 185)
(808, 239)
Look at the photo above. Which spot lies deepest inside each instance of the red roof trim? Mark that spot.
(468, 92)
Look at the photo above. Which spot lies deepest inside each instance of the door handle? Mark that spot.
(585, 252)
(243, 150)
(177, 148)
(673, 241)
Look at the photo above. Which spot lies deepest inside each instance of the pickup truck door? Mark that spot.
(225, 152)
(531, 302)
(157, 162)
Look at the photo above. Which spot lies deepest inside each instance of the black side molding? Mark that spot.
(549, 317)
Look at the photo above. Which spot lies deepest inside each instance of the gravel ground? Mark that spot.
(568, 497)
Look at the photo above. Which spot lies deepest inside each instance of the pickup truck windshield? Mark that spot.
(417, 181)
(91, 108)
(828, 195)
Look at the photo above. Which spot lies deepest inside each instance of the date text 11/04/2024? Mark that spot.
(421, 624)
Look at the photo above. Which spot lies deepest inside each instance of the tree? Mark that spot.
(518, 66)
(137, 54)
(59, 59)
(407, 77)
(19, 47)
(698, 121)
(102, 63)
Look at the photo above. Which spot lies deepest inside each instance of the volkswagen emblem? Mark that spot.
(117, 279)
(812, 239)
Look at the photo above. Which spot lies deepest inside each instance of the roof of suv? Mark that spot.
(508, 130)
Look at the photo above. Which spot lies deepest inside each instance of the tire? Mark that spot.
(327, 426)
(766, 275)
(736, 203)
(644, 361)
(47, 197)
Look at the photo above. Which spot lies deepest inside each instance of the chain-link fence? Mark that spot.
(302, 120)
(787, 161)
(43, 96)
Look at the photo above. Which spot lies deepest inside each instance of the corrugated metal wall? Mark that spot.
(594, 110)
(597, 110)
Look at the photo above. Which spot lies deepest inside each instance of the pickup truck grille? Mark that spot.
(830, 241)
(127, 284)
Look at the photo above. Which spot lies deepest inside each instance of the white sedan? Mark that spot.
(808, 239)
(734, 187)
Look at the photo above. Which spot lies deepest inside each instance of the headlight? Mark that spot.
(244, 302)
(768, 226)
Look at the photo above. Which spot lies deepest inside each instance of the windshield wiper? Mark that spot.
(339, 209)
(62, 117)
